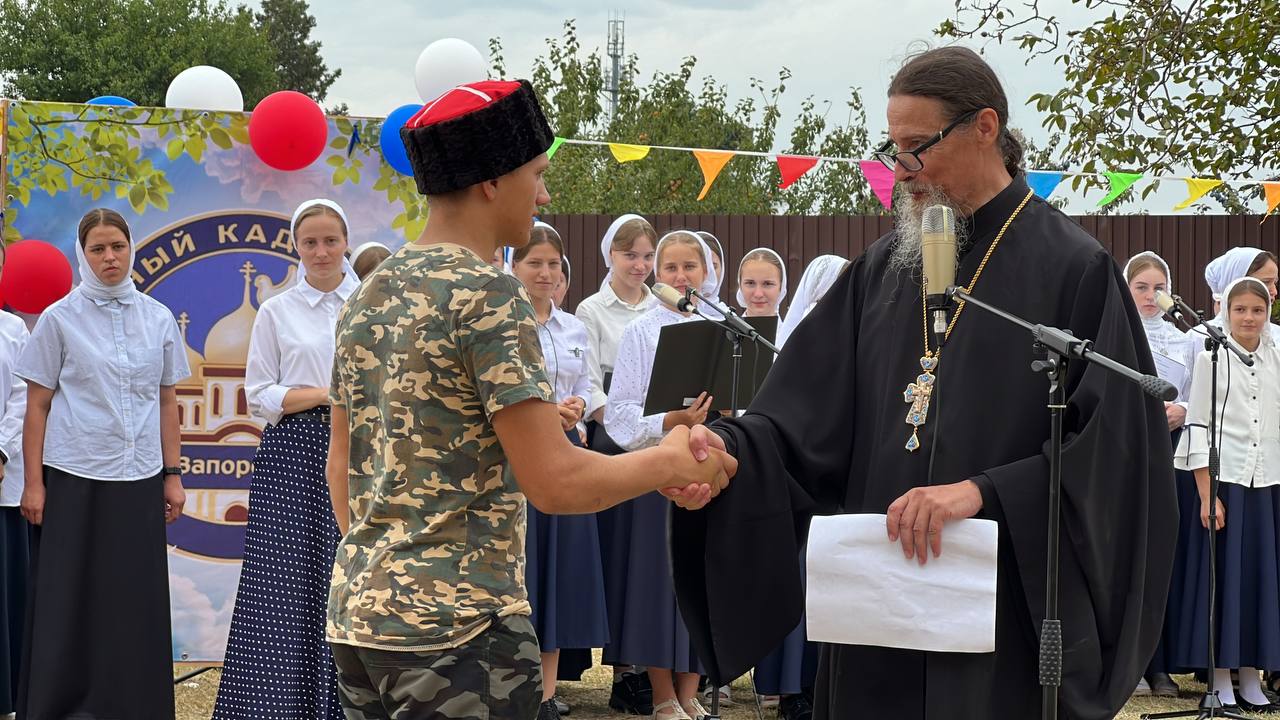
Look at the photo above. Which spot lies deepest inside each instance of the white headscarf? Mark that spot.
(1228, 267)
(1155, 323)
(718, 252)
(355, 254)
(815, 281)
(710, 282)
(1224, 314)
(606, 243)
(94, 288)
(742, 301)
(347, 270)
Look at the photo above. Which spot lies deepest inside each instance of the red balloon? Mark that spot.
(36, 275)
(288, 130)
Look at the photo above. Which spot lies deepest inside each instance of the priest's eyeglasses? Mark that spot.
(910, 159)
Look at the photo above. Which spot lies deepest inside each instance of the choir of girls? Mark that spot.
(73, 503)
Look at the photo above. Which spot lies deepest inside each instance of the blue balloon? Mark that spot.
(392, 148)
(112, 100)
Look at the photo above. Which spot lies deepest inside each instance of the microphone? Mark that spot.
(938, 253)
(672, 298)
(1174, 307)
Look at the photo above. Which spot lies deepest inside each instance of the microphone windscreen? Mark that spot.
(938, 248)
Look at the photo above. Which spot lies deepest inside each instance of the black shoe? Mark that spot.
(561, 705)
(548, 711)
(795, 707)
(632, 694)
(1162, 685)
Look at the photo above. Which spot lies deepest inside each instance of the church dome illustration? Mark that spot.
(228, 340)
(194, 359)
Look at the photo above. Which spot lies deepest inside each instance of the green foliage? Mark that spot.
(672, 109)
(1151, 86)
(358, 138)
(71, 51)
(287, 26)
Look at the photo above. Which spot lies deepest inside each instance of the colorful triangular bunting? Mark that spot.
(555, 145)
(1196, 188)
(628, 153)
(1043, 183)
(711, 162)
(1119, 182)
(1272, 191)
(880, 178)
(793, 167)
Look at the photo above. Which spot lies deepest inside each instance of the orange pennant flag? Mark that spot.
(1272, 190)
(711, 162)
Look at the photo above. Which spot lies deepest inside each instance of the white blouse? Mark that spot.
(106, 361)
(1248, 416)
(566, 355)
(624, 417)
(292, 345)
(605, 317)
(13, 408)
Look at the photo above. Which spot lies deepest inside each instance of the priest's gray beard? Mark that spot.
(908, 213)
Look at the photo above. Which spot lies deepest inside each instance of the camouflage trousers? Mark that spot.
(495, 676)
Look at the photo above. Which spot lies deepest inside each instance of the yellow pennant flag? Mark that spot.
(627, 153)
(1196, 188)
(1272, 190)
(711, 162)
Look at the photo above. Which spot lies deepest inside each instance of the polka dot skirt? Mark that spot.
(278, 665)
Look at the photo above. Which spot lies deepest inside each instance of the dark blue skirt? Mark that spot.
(564, 579)
(650, 632)
(1248, 592)
(614, 528)
(15, 556)
(790, 669)
(1165, 658)
(278, 665)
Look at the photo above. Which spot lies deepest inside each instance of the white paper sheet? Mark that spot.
(863, 591)
(1170, 370)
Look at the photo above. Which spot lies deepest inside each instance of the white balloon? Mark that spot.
(204, 88)
(446, 64)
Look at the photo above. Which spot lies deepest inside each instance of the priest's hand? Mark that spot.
(705, 447)
(918, 516)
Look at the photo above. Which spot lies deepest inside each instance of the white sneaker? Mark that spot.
(725, 698)
(669, 710)
(1143, 689)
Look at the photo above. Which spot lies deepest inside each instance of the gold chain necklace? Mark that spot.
(919, 392)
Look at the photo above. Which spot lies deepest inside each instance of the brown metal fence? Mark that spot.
(1187, 243)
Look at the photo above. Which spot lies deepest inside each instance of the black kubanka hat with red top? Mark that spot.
(475, 132)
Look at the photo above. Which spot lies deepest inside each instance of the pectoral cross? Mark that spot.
(918, 394)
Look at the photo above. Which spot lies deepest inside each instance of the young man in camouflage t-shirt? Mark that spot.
(444, 422)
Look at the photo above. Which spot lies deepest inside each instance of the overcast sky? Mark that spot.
(829, 45)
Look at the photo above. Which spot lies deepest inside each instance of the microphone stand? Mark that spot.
(1210, 706)
(736, 330)
(1061, 347)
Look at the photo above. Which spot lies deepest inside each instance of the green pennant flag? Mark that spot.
(1119, 182)
(555, 145)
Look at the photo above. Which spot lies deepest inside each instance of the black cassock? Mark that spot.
(827, 432)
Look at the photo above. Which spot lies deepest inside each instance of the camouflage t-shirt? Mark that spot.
(431, 346)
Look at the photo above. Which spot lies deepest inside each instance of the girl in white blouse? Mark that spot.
(277, 662)
(651, 633)
(1248, 501)
(1174, 353)
(627, 248)
(14, 531)
(563, 572)
(102, 450)
(817, 278)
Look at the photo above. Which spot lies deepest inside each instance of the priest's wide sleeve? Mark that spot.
(736, 563)
(1119, 512)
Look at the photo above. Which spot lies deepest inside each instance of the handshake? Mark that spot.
(699, 464)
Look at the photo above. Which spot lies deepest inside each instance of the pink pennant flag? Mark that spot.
(880, 178)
